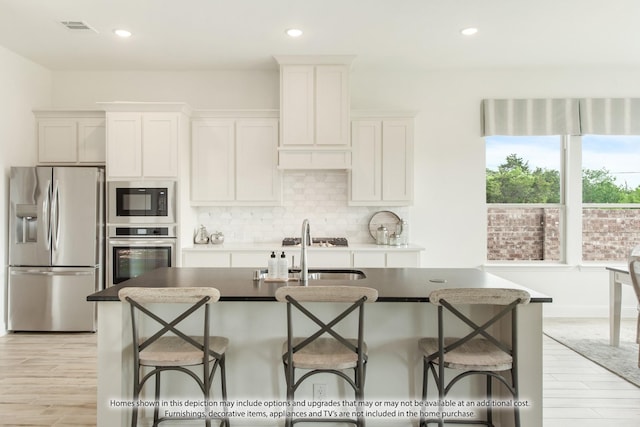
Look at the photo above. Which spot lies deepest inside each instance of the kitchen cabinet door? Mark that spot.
(397, 161)
(297, 105)
(332, 105)
(91, 141)
(124, 145)
(160, 145)
(212, 161)
(382, 171)
(57, 141)
(257, 177)
(366, 170)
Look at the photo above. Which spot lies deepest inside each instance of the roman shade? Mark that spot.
(525, 117)
(561, 116)
(610, 116)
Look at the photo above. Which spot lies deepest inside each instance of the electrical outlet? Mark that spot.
(319, 391)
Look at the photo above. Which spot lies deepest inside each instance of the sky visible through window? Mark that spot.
(620, 155)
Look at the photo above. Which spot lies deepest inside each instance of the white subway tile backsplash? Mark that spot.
(320, 196)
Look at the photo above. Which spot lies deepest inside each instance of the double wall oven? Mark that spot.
(141, 228)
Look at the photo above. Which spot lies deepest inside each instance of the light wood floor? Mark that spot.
(49, 380)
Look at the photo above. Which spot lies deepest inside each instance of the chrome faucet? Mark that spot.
(305, 240)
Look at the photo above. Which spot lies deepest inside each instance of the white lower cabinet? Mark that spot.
(204, 258)
(408, 259)
(256, 259)
(388, 259)
(327, 259)
(369, 259)
(381, 258)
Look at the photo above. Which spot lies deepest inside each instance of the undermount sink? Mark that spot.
(336, 275)
(320, 274)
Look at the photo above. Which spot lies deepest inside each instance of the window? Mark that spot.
(571, 194)
(610, 196)
(524, 176)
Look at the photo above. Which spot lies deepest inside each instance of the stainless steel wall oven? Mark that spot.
(134, 250)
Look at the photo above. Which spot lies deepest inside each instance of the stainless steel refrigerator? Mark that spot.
(56, 247)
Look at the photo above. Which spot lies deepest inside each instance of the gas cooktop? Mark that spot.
(326, 242)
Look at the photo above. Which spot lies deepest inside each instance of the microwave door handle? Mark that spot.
(46, 215)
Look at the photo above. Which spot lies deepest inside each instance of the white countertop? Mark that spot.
(277, 246)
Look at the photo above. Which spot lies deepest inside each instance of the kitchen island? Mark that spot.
(255, 324)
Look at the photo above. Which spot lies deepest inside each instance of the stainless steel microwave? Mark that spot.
(141, 202)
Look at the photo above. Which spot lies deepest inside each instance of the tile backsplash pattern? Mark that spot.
(320, 196)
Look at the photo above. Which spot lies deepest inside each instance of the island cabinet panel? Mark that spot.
(66, 139)
(382, 164)
(234, 162)
(142, 145)
(204, 258)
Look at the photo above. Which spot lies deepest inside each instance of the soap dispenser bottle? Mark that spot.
(272, 267)
(283, 267)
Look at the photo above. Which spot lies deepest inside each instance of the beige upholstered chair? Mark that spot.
(172, 349)
(634, 272)
(319, 353)
(479, 352)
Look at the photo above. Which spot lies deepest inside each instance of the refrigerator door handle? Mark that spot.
(50, 273)
(55, 216)
(46, 215)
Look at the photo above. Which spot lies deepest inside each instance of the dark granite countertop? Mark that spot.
(393, 284)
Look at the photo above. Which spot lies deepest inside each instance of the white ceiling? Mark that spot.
(402, 34)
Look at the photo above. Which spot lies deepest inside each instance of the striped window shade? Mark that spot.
(610, 116)
(527, 117)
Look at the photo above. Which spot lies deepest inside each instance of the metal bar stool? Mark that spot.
(479, 352)
(171, 349)
(321, 354)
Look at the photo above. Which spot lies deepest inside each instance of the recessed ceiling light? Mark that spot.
(469, 31)
(294, 32)
(122, 33)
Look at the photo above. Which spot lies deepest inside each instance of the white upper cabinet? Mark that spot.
(142, 145)
(382, 171)
(71, 137)
(314, 112)
(234, 162)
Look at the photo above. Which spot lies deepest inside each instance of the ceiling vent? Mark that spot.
(78, 26)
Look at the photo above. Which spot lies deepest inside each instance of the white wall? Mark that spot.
(24, 86)
(448, 217)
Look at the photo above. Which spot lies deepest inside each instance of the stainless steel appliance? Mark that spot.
(56, 241)
(133, 250)
(142, 202)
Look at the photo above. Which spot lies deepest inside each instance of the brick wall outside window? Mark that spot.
(533, 234)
